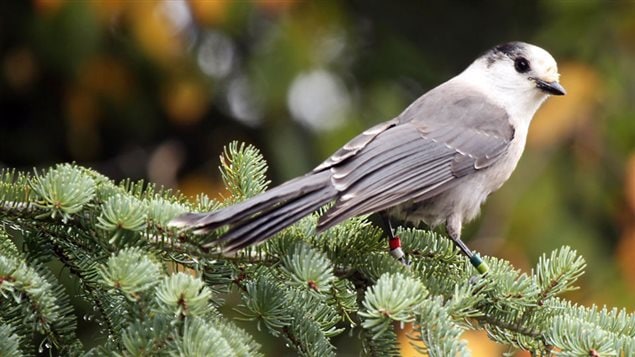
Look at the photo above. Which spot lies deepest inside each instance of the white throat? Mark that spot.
(520, 100)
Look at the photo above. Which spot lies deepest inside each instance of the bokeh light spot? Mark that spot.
(318, 99)
(216, 54)
(244, 104)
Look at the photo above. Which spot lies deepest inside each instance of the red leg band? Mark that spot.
(394, 243)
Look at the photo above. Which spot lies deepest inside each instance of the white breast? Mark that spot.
(465, 198)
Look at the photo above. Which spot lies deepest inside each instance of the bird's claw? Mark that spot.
(403, 260)
(474, 279)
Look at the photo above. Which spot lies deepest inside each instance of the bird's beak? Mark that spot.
(553, 88)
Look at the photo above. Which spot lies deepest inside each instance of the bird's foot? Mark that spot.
(474, 279)
(395, 250)
(480, 266)
(403, 260)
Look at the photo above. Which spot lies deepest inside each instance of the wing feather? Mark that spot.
(374, 193)
(356, 145)
(422, 156)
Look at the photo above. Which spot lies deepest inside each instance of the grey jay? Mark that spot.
(435, 163)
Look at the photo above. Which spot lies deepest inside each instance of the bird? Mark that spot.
(436, 162)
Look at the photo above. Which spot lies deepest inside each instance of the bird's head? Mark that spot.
(516, 72)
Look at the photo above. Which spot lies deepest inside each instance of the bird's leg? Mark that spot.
(394, 243)
(453, 227)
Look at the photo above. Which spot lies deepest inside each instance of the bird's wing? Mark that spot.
(434, 142)
(356, 144)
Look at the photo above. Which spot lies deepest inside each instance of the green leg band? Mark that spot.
(479, 264)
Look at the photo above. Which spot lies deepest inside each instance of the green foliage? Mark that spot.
(556, 274)
(608, 332)
(308, 268)
(9, 342)
(122, 213)
(265, 302)
(33, 302)
(63, 190)
(201, 339)
(579, 338)
(7, 247)
(14, 188)
(131, 272)
(155, 292)
(183, 295)
(145, 338)
(343, 298)
(160, 211)
(243, 170)
(436, 328)
(240, 342)
(394, 297)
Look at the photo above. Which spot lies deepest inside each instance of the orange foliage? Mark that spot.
(194, 184)
(150, 26)
(276, 6)
(629, 182)
(185, 101)
(81, 108)
(210, 12)
(99, 76)
(153, 32)
(625, 249)
(20, 68)
(106, 10)
(82, 112)
(106, 76)
(559, 116)
(406, 347)
(477, 341)
(48, 7)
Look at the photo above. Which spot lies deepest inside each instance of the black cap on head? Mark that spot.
(509, 49)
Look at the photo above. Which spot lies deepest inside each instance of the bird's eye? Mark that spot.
(521, 64)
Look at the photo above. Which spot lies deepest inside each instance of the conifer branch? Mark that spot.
(301, 287)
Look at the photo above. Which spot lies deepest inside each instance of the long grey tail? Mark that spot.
(258, 218)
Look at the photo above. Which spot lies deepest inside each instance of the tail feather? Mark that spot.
(260, 217)
(266, 225)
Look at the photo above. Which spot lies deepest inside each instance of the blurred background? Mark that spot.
(155, 89)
